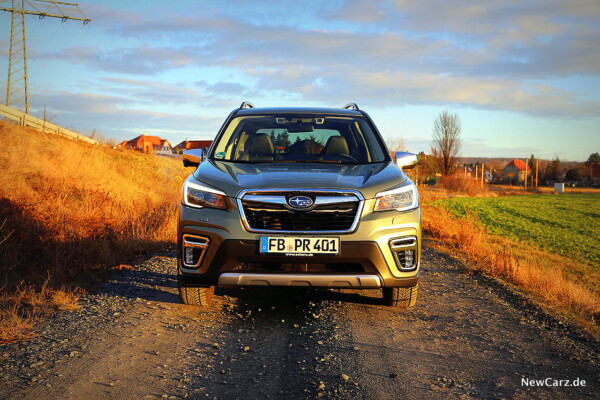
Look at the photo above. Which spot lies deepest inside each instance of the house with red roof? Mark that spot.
(147, 144)
(515, 171)
(192, 144)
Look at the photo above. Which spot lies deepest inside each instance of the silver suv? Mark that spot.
(299, 197)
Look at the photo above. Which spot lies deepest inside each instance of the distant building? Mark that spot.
(515, 171)
(147, 144)
(191, 144)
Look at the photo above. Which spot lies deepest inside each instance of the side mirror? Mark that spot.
(406, 160)
(193, 158)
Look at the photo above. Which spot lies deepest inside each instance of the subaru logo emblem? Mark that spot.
(300, 201)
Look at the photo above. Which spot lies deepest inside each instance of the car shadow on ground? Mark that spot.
(162, 287)
(144, 285)
(292, 297)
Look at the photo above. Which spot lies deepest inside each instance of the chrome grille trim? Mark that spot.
(274, 196)
(266, 199)
(404, 242)
(321, 200)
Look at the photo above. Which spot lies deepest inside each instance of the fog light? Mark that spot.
(404, 250)
(189, 256)
(409, 258)
(194, 249)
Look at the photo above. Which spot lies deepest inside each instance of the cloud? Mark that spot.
(475, 147)
(119, 117)
(148, 92)
(225, 88)
(138, 60)
(388, 89)
(483, 148)
(492, 55)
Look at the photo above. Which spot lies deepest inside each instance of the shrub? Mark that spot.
(458, 184)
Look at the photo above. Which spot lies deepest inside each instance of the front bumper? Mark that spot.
(310, 280)
(233, 258)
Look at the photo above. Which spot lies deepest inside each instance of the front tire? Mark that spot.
(196, 295)
(402, 297)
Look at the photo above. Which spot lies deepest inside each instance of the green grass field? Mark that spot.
(567, 224)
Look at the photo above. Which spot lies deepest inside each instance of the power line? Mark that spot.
(17, 85)
(115, 10)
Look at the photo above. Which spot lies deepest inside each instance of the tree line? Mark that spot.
(446, 145)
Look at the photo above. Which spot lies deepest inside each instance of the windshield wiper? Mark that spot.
(293, 161)
(337, 162)
(317, 161)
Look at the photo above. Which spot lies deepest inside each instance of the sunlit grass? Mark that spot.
(570, 286)
(68, 209)
(567, 224)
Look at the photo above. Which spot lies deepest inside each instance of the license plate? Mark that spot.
(299, 245)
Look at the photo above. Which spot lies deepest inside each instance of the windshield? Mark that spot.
(299, 138)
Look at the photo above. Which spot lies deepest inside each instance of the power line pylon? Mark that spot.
(16, 87)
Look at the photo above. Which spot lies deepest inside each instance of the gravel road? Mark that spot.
(468, 337)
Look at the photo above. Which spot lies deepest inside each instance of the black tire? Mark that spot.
(402, 297)
(196, 295)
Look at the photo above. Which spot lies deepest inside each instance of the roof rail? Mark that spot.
(246, 104)
(352, 106)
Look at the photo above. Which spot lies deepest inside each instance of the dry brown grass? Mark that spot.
(459, 184)
(542, 275)
(68, 209)
(20, 308)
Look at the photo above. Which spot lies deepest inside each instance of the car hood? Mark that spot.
(232, 178)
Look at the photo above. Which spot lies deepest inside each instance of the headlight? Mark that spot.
(401, 199)
(200, 196)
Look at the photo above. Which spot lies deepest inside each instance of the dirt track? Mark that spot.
(467, 338)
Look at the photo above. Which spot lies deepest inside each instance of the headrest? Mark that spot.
(261, 144)
(336, 145)
(306, 146)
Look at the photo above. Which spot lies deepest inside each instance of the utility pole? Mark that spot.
(482, 174)
(537, 167)
(17, 92)
(417, 175)
(525, 174)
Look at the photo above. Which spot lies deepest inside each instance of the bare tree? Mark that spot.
(446, 141)
(395, 144)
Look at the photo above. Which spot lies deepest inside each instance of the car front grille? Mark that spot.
(270, 212)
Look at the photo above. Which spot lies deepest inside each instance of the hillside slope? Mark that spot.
(67, 208)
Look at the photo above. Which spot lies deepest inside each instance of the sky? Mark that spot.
(524, 76)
